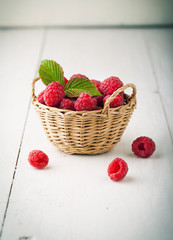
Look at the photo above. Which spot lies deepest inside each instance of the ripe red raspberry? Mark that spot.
(97, 84)
(143, 147)
(116, 102)
(117, 169)
(78, 75)
(110, 85)
(65, 81)
(41, 98)
(67, 104)
(38, 159)
(53, 94)
(99, 100)
(85, 102)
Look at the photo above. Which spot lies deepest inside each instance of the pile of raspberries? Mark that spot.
(54, 95)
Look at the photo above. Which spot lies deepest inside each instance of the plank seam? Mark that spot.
(23, 132)
(158, 88)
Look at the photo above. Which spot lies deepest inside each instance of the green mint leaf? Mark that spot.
(78, 85)
(50, 71)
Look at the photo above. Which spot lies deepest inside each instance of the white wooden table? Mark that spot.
(73, 198)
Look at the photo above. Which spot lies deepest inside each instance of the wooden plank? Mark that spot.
(73, 198)
(19, 54)
(160, 51)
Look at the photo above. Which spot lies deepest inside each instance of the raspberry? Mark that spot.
(67, 104)
(65, 80)
(97, 84)
(53, 94)
(78, 75)
(116, 102)
(99, 100)
(143, 147)
(110, 85)
(117, 169)
(38, 159)
(41, 98)
(85, 102)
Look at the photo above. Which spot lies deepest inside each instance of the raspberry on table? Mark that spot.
(85, 102)
(97, 84)
(41, 98)
(117, 169)
(110, 85)
(38, 159)
(53, 94)
(143, 146)
(78, 75)
(116, 102)
(65, 81)
(67, 104)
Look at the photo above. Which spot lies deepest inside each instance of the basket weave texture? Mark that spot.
(86, 132)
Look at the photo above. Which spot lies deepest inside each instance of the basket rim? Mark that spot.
(81, 112)
(105, 110)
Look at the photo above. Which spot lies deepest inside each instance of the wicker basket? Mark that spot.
(86, 132)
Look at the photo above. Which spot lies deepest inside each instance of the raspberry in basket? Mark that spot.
(53, 94)
(116, 102)
(67, 104)
(117, 169)
(110, 85)
(38, 159)
(143, 147)
(41, 97)
(85, 102)
(99, 100)
(65, 80)
(78, 75)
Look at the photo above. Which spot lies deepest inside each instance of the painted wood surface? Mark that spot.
(160, 50)
(73, 198)
(19, 56)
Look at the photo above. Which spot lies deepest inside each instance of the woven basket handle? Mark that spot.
(109, 100)
(33, 88)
